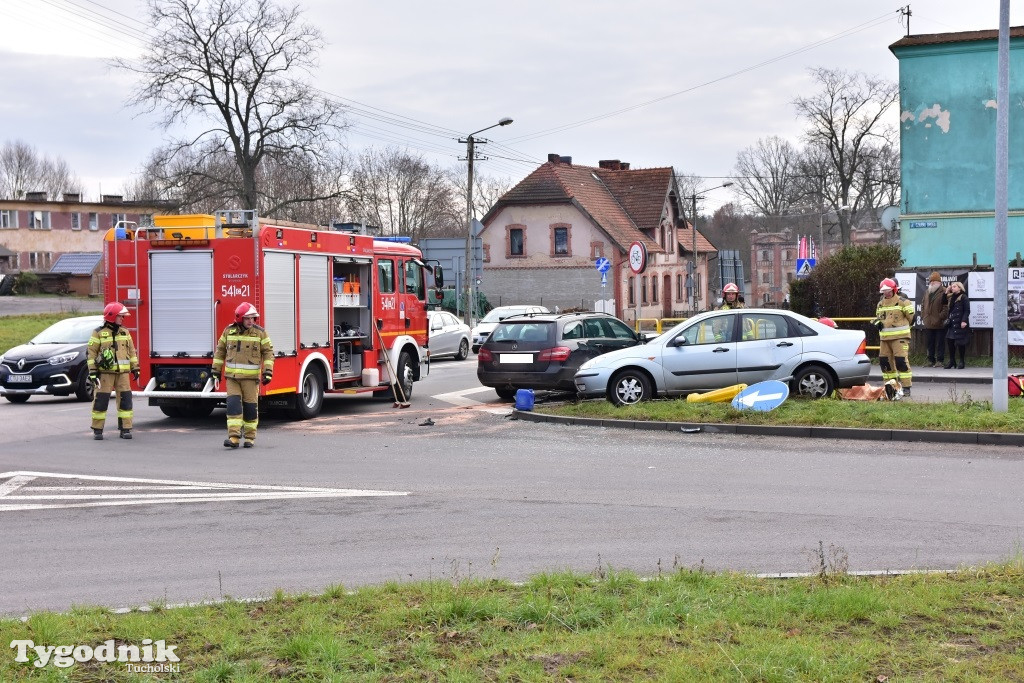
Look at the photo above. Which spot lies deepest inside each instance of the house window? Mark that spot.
(39, 220)
(560, 240)
(39, 260)
(679, 287)
(766, 278)
(145, 220)
(766, 255)
(697, 287)
(8, 219)
(76, 221)
(94, 221)
(116, 218)
(487, 253)
(643, 289)
(596, 250)
(515, 240)
(632, 287)
(654, 288)
(766, 298)
(789, 277)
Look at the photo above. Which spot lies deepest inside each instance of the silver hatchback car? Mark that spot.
(722, 348)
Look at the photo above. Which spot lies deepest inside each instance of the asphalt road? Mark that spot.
(482, 495)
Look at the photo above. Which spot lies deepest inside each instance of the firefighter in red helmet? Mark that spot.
(731, 297)
(893, 318)
(246, 355)
(111, 358)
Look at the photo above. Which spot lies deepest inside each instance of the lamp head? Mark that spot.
(504, 121)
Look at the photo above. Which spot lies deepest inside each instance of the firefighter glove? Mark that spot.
(94, 378)
(878, 323)
(136, 374)
(266, 378)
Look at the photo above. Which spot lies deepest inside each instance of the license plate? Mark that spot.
(513, 358)
(19, 379)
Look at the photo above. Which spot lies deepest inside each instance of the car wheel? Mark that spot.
(85, 389)
(476, 349)
(463, 353)
(16, 398)
(813, 381)
(629, 387)
(505, 393)
(311, 397)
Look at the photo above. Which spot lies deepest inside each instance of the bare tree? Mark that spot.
(487, 190)
(239, 66)
(845, 123)
(402, 194)
(766, 176)
(23, 169)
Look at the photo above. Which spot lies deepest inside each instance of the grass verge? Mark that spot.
(606, 626)
(961, 413)
(18, 329)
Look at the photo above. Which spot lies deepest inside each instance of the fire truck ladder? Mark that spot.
(126, 274)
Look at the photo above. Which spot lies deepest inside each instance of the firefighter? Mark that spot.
(893, 318)
(731, 297)
(111, 358)
(246, 355)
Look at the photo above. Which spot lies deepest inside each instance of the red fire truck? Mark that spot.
(346, 312)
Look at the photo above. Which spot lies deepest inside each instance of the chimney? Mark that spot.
(35, 196)
(624, 166)
(553, 158)
(73, 197)
(112, 199)
(565, 160)
(610, 164)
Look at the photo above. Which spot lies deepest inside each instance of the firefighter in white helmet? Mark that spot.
(893, 318)
(731, 297)
(111, 358)
(246, 355)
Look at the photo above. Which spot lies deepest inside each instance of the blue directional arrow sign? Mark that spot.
(762, 396)
(602, 264)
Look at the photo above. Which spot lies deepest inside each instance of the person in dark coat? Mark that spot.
(958, 326)
(934, 311)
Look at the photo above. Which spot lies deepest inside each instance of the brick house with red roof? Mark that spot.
(541, 240)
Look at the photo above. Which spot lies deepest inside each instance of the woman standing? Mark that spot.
(958, 327)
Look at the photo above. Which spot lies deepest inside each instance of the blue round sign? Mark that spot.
(602, 264)
(763, 396)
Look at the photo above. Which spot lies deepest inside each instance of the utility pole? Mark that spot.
(468, 277)
(693, 219)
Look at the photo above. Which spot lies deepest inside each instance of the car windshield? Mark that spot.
(499, 314)
(524, 332)
(70, 331)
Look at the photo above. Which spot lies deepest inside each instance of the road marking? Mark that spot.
(17, 492)
(458, 398)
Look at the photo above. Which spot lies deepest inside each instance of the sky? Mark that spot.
(651, 82)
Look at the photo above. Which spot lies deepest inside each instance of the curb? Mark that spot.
(855, 433)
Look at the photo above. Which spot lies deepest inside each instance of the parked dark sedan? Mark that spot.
(544, 350)
(54, 362)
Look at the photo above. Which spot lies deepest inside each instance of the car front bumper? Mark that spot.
(592, 383)
(58, 383)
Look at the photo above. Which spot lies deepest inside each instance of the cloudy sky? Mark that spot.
(651, 82)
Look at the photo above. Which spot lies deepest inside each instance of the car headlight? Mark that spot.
(63, 358)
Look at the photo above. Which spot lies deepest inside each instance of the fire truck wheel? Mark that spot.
(404, 372)
(463, 353)
(171, 411)
(311, 398)
(197, 410)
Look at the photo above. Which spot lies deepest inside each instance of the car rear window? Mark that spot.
(534, 331)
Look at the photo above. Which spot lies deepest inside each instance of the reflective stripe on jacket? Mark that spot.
(119, 341)
(897, 315)
(244, 353)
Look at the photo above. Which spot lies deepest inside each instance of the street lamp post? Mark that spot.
(693, 218)
(821, 227)
(467, 278)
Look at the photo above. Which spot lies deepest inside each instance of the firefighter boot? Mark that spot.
(248, 444)
(906, 392)
(126, 433)
(97, 434)
(231, 442)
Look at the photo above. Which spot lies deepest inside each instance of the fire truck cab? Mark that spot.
(346, 313)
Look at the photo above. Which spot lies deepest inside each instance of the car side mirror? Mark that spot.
(438, 277)
(678, 341)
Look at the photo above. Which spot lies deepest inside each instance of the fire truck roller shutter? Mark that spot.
(181, 302)
(314, 300)
(279, 300)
